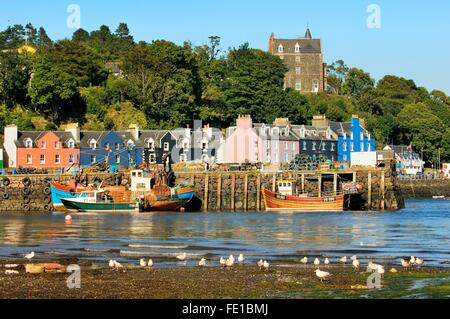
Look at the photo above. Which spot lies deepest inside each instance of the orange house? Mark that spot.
(47, 150)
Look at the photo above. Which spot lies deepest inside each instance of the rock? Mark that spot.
(11, 266)
(393, 270)
(359, 287)
(11, 272)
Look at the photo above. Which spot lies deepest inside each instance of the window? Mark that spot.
(297, 48)
(151, 145)
(345, 157)
(280, 48)
(166, 146)
(117, 159)
(314, 144)
(117, 146)
(29, 159)
(298, 70)
(71, 159)
(352, 147)
(298, 85)
(315, 86)
(286, 157)
(185, 145)
(369, 148)
(42, 159)
(57, 159)
(344, 146)
(332, 147)
(324, 146)
(286, 146)
(28, 143)
(71, 143)
(152, 158)
(305, 147)
(282, 57)
(56, 145)
(93, 159)
(204, 146)
(351, 136)
(43, 145)
(362, 146)
(297, 59)
(183, 158)
(362, 136)
(106, 146)
(93, 144)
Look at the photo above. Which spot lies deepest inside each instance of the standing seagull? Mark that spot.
(304, 260)
(327, 261)
(142, 263)
(222, 261)
(260, 263)
(229, 262)
(322, 274)
(182, 257)
(343, 259)
(150, 263)
(202, 262)
(419, 262)
(29, 256)
(380, 270)
(241, 258)
(356, 264)
(266, 265)
(317, 262)
(412, 261)
(405, 264)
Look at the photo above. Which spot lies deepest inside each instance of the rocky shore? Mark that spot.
(214, 282)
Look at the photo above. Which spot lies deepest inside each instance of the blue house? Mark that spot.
(118, 147)
(353, 137)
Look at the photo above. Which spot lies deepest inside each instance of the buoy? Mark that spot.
(182, 210)
(68, 218)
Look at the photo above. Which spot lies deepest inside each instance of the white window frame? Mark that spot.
(42, 159)
(280, 48)
(57, 159)
(298, 85)
(297, 48)
(29, 159)
(118, 159)
(93, 159)
(71, 158)
(166, 146)
(298, 70)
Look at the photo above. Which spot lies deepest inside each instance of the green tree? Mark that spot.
(15, 72)
(81, 35)
(357, 82)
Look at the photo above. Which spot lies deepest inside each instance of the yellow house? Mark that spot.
(24, 49)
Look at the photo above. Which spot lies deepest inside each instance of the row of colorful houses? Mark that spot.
(274, 143)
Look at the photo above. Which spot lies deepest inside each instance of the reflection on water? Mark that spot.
(422, 229)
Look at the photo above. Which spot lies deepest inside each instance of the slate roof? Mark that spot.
(87, 136)
(35, 136)
(305, 45)
(156, 135)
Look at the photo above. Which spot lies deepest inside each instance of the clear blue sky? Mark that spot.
(414, 39)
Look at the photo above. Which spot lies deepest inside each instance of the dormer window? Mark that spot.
(28, 143)
(130, 143)
(297, 48)
(280, 48)
(43, 145)
(151, 144)
(93, 144)
(275, 131)
(71, 143)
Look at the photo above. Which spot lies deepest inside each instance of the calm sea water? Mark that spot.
(422, 229)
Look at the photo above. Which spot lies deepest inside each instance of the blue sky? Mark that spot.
(413, 41)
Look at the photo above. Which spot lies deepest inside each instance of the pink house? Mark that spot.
(243, 142)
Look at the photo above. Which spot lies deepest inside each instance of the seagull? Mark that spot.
(343, 259)
(317, 262)
(182, 256)
(419, 262)
(229, 262)
(266, 265)
(356, 264)
(231, 258)
(29, 256)
(222, 261)
(241, 258)
(202, 262)
(372, 267)
(260, 263)
(142, 263)
(304, 261)
(327, 261)
(322, 274)
(111, 263)
(405, 264)
(412, 261)
(117, 264)
(150, 263)
(353, 258)
(380, 270)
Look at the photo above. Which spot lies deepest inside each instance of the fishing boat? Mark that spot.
(60, 191)
(102, 200)
(286, 200)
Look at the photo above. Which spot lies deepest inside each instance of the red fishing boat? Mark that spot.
(286, 200)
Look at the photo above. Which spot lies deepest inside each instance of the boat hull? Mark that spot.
(276, 202)
(166, 205)
(74, 206)
(59, 192)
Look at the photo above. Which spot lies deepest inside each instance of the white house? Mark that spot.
(407, 162)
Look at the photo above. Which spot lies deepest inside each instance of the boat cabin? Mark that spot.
(286, 187)
(141, 182)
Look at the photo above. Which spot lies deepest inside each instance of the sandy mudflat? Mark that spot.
(238, 282)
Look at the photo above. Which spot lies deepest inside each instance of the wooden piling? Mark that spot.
(258, 193)
(319, 184)
(205, 196)
(245, 192)
(335, 183)
(219, 192)
(369, 191)
(233, 192)
(303, 183)
(274, 182)
(383, 193)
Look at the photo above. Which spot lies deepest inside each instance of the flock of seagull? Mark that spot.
(264, 264)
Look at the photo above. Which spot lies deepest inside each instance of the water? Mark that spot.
(422, 229)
